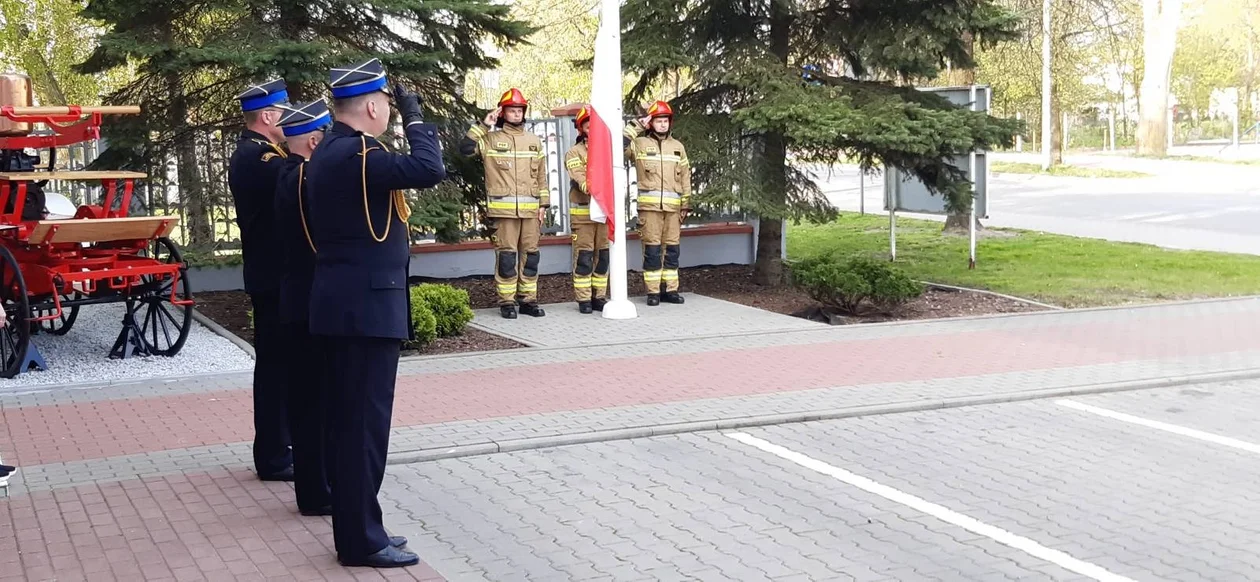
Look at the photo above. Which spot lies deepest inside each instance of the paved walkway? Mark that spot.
(122, 470)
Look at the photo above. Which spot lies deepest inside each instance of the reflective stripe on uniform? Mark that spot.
(506, 288)
(574, 163)
(581, 282)
(579, 210)
(669, 275)
(513, 202)
(651, 277)
(599, 282)
(659, 158)
(528, 287)
(658, 197)
(514, 155)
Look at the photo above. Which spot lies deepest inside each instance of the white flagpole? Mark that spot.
(606, 98)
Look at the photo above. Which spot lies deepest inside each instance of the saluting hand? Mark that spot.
(491, 118)
(408, 104)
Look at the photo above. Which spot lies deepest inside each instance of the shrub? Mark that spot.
(450, 306)
(423, 322)
(848, 284)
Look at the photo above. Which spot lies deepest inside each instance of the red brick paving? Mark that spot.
(222, 525)
(48, 434)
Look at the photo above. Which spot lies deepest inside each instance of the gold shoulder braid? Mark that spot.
(268, 155)
(302, 209)
(397, 201)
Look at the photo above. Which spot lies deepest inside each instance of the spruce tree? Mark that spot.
(194, 56)
(753, 122)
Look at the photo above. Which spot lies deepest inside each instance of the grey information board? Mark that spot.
(904, 192)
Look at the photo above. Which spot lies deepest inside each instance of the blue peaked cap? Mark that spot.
(357, 79)
(267, 94)
(305, 118)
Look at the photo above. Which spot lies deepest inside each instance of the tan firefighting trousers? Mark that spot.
(590, 260)
(657, 229)
(516, 259)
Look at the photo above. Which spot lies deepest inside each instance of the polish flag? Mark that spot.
(599, 172)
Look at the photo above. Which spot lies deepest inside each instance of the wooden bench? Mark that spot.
(101, 229)
(70, 175)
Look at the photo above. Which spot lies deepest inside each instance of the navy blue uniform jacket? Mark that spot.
(252, 176)
(298, 268)
(360, 284)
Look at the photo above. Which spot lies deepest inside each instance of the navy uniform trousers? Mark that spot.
(360, 308)
(304, 360)
(252, 176)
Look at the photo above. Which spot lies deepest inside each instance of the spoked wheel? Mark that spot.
(164, 326)
(16, 334)
(59, 325)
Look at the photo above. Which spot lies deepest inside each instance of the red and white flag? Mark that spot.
(599, 172)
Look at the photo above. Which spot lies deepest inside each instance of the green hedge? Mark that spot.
(439, 311)
(850, 285)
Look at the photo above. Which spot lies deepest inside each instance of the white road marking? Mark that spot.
(942, 513)
(1155, 424)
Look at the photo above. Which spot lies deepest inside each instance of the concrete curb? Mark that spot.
(994, 294)
(224, 333)
(522, 444)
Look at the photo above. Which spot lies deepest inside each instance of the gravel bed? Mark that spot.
(82, 355)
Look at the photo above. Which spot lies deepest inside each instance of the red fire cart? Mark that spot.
(51, 268)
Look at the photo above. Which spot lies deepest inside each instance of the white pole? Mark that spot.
(971, 220)
(1019, 139)
(889, 174)
(1111, 127)
(1046, 154)
(1237, 107)
(606, 98)
(862, 184)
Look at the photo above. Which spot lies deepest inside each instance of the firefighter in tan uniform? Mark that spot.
(517, 198)
(590, 238)
(664, 177)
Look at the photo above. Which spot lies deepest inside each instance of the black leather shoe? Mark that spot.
(532, 310)
(653, 300)
(585, 307)
(672, 297)
(598, 304)
(397, 541)
(285, 475)
(390, 557)
(316, 511)
(507, 311)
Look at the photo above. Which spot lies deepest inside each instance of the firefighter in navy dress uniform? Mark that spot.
(252, 175)
(359, 305)
(303, 126)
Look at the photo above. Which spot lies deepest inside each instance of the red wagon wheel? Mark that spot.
(164, 326)
(16, 334)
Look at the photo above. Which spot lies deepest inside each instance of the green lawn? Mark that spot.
(1070, 171)
(1062, 270)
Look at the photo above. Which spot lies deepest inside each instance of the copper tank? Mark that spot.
(15, 90)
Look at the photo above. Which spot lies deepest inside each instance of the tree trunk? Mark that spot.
(295, 25)
(1159, 42)
(768, 268)
(956, 222)
(192, 189)
(1056, 133)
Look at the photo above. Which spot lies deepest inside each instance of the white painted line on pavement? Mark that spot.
(1155, 424)
(942, 513)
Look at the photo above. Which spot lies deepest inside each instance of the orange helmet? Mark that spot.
(583, 114)
(513, 98)
(660, 109)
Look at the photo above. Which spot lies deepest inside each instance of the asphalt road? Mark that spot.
(1149, 485)
(1186, 205)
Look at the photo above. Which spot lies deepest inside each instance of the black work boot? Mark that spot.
(598, 304)
(584, 307)
(507, 311)
(672, 297)
(532, 309)
(653, 299)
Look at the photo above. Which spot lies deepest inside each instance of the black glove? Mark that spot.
(408, 104)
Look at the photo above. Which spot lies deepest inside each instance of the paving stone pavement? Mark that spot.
(700, 316)
(1137, 502)
(122, 438)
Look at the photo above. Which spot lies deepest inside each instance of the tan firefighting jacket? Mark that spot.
(516, 173)
(662, 169)
(579, 195)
